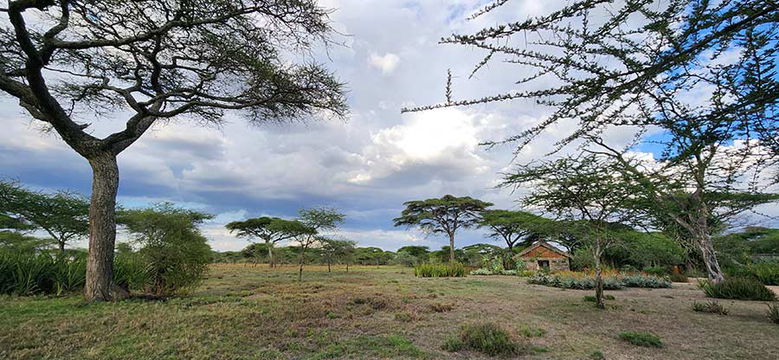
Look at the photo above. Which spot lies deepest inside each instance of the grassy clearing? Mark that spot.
(246, 312)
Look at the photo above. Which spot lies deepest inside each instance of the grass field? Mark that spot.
(245, 312)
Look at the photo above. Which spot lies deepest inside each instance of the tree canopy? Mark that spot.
(513, 226)
(442, 215)
(62, 215)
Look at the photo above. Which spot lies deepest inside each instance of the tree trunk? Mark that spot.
(451, 247)
(300, 269)
(62, 247)
(102, 227)
(347, 267)
(710, 259)
(270, 255)
(598, 278)
(328, 265)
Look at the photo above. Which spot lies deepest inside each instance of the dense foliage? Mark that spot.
(176, 253)
(440, 270)
(612, 280)
(738, 288)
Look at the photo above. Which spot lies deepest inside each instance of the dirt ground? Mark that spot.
(247, 312)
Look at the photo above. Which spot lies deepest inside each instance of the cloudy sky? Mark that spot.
(367, 165)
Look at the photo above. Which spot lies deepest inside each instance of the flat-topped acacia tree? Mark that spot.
(66, 61)
(270, 229)
(443, 215)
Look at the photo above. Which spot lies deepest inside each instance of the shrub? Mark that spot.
(486, 338)
(657, 270)
(641, 339)
(440, 270)
(773, 313)
(739, 288)
(767, 273)
(611, 280)
(710, 307)
(643, 281)
(481, 271)
(678, 277)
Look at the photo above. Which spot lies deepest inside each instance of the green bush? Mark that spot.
(643, 281)
(767, 273)
(572, 280)
(486, 338)
(712, 307)
(773, 313)
(440, 270)
(739, 288)
(657, 270)
(678, 278)
(641, 339)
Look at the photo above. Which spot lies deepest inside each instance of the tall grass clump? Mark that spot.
(486, 338)
(24, 273)
(738, 288)
(440, 270)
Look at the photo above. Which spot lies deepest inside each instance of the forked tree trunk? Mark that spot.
(710, 259)
(451, 247)
(102, 227)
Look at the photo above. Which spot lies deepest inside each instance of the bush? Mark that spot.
(641, 339)
(486, 338)
(678, 277)
(611, 280)
(773, 313)
(712, 307)
(643, 281)
(440, 270)
(739, 288)
(767, 273)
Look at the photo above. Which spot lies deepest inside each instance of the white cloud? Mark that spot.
(386, 63)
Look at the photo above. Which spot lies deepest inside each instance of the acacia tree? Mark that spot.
(153, 61)
(442, 215)
(512, 226)
(700, 72)
(587, 194)
(63, 215)
(338, 250)
(270, 229)
(318, 223)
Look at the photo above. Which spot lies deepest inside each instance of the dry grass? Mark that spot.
(257, 313)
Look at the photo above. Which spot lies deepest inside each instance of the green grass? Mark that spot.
(246, 312)
(740, 288)
(641, 339)
(487, 338)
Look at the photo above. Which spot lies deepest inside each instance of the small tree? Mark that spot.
(270, 229)
(588, 193)
(171, 245)
(337, 250)
(443, 215)
(63, 215)
(317, 221)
